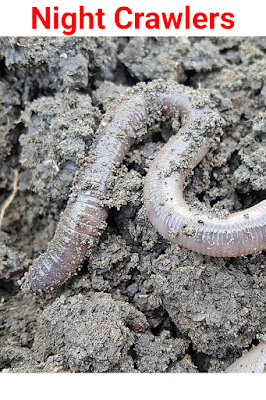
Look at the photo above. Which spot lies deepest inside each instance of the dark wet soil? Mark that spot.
(139, 304)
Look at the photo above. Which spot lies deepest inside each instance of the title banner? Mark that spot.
(118, 18)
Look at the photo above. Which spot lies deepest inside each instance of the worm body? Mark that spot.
(252, 362)
(84, 218)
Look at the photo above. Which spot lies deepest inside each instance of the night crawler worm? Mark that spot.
(252, 362)
(84, 218)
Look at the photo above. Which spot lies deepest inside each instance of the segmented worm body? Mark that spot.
(252, 362)
(84, 217)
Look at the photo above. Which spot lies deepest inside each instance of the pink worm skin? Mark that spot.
(252, 362)
(83, 220)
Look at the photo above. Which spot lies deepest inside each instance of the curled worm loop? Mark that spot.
(84, 218)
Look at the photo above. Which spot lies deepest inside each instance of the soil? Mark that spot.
(139, 304)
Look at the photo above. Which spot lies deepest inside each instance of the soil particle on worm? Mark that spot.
(138, 304)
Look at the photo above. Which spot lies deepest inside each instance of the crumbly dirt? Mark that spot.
(139, 304)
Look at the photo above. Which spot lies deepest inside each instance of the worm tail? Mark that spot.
(77, 232)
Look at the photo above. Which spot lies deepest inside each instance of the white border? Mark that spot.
(249, 18)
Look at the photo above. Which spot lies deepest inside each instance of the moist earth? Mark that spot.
(138, 304)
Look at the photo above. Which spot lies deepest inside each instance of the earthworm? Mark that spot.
(84, 218)
(252, 362)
